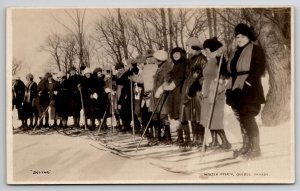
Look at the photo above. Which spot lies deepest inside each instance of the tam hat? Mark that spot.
(161, 55)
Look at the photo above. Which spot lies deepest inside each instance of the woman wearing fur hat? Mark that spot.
(210, 73)
(190, 103)
(162, 78)
(244, 89)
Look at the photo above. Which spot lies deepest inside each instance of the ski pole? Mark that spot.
(211, 109)
(131, 105)
(82, 105)
(43, 115)
(160, 98)
(102, 119)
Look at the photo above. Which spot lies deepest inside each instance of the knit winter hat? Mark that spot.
(213, 44)
(243, 29)
(178, 49)
(30, 76)
(161, 55)
(194, 43)
(72, 69)
(149, 53)
(87, 71)
(119, 66)
(96, 70)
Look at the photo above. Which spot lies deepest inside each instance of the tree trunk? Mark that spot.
(277, 108)
(122, 30)
(164, 29)
(209, 22)
(215, 23)
(170, 28)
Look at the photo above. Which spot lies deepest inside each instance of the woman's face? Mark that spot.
(99, 74)
(207, 52)
(176, 55)
(150, 60)
(72, 73)
(241, 40)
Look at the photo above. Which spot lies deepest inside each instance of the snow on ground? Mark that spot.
(56, 158)
(84, 160)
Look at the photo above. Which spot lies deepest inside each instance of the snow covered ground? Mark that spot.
(56, 158)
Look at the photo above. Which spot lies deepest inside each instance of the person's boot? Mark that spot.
(254, 150)
(200, 135)
(64, 123)
(168, 134)
(46, 125)
(225, 143)
(187, 136)
(195, 133)
(214, 143)
(245, 147)
(54, 125)
(36, 119)
(31, 123)
(156, 134)
(60, 123)
(40, 125)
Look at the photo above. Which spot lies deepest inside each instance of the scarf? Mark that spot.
(242, 68)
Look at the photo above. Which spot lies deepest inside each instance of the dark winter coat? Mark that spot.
(50, 87)
(162, 75)
(61, 99)
(74, 101)
(30, 98)
(88, 86)
(18, 92)
(101, 104)
(190, 106)
(178, 77)
(252, 91)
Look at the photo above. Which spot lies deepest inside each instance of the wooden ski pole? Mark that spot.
(131, 105)
(211, 109)
(149, 121)
(82, 105)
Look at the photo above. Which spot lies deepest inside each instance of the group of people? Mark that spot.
(155, 87)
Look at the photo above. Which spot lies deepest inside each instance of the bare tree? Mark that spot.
(16, 66)
(78, 29)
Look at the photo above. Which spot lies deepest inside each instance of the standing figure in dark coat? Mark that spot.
(61, 97)
(244, 89)
(124, 95)
(100, 100)
(74, 82)
(178, 56)
(161, 90)
(18, 92)
(30, 101)
(88, 86)
(43, 100)
(50, 87)
(190, 100)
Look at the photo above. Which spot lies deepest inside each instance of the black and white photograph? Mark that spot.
(162, 95)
